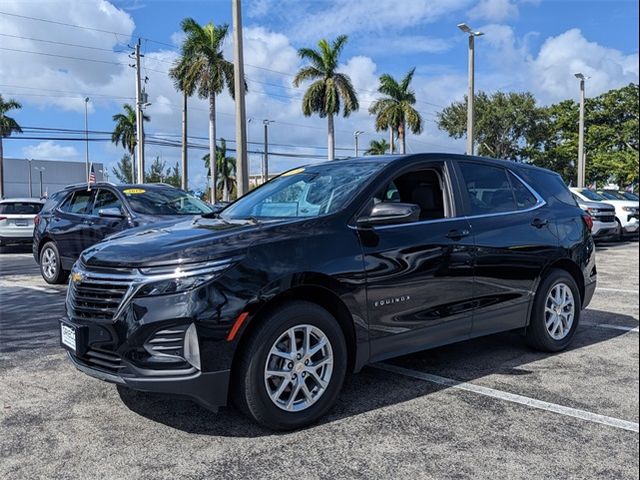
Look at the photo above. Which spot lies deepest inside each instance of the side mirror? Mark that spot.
(111, 212)
(391, 214)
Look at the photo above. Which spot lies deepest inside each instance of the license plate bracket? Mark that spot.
(73, 337)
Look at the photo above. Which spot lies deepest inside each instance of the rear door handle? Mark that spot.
(458, 234)
(540, 222)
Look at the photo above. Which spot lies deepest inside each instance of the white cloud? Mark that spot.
(494, 10)
(408, 45)
(50, 150)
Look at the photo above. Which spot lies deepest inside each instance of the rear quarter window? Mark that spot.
(548, 184)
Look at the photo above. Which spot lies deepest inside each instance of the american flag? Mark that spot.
(92, 175)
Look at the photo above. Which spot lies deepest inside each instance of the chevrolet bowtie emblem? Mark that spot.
(76, 277)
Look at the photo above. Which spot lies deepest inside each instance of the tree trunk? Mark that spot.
(330, 138)
(212, 147)
(391, 145)
(133, 166)
(401, 136)
(184, 183)
(1, 170)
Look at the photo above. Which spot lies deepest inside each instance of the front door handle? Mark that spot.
(458, 234)
(540, 222)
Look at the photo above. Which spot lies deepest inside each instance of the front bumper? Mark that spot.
(209, 389)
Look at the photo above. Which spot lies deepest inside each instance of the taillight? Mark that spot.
(36, 220)
(588, 220)
(3, 218)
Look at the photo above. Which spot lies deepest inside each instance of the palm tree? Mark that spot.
(378, 147)
(202, 67)
(395, 110)
(7, 126)
(125, 132)
(329, 88)
(226, 168)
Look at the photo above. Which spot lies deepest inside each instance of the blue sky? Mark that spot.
(528, 45)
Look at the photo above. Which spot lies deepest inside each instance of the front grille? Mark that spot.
(94, 297)
(104, 359)
(607, 219)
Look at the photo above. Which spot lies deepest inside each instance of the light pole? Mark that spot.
(86, 134)
(30, 181)
(238, 83)
(581, 162)
(356, 134)
(40, 170)
(265, 157)
(470, 94)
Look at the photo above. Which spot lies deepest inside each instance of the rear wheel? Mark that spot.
(292, 368)
(51, 265)
(556, 312)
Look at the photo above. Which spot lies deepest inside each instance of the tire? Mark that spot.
(251, 382)
(548, 330)
(51, 266)
(620, 232)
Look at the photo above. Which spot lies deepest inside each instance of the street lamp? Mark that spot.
(41, 170)
(581, 162)
(356, 134)
(265, 157)
(470, 95)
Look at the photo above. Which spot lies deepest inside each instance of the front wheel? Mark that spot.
(556, 312)
(292, 368)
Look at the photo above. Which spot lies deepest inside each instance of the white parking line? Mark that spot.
(37, 288)
(613, 327)
(620, 290)
(511, 397)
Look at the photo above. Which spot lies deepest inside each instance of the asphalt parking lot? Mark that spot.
(487, 408)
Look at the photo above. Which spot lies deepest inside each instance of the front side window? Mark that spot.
(80, 203)
(488, 189)
(304, 192)
(106, 199)
(164, 201)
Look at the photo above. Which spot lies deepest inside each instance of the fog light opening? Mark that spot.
(191, 347)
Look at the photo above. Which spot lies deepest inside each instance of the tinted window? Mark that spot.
(547, 184)
(79, 203)
(488, 189)
(164, 201)
(54, 200)
(304, 192)
(106, 199)
(591, 195)
(20, 208)
(524, 198)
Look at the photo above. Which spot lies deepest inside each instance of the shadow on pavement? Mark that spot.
(371, 389)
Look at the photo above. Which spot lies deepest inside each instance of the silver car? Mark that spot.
(17, 220)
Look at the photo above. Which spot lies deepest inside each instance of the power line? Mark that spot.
(83, 27)
(62, 56)
(61, 43)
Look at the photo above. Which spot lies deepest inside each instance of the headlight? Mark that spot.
(166, 280)
(629, 209)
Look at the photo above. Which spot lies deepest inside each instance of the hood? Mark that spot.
(599, 205)
(621, 203)
(190, 240)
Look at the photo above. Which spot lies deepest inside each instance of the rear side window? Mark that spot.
(524, 198)
(20, 208)
(488, 189)
(80, 203)
(54, 200)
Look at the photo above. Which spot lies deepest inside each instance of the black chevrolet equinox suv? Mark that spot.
(77, 217)
(324, 269)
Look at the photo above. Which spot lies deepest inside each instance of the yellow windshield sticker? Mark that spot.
(293, 172)
(133, 191)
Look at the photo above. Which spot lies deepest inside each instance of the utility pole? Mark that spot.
(30, 181)
(581, 162)
(184, 182)
(139, 118)
(86, 134)
(265, 157)
(470, 93)
(241, 120)
(356, 134)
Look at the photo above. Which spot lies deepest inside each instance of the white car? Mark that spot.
(17, 220)
(626, 210)
(603, 216)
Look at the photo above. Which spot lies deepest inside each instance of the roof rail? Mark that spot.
(85, 184)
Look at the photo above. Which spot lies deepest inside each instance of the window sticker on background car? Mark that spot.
(134, 191)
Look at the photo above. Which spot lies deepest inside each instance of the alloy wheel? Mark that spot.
(298, 368)
(559, 311)
(49, 263)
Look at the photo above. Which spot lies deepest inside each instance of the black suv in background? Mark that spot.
(327, 268)
(78, 217)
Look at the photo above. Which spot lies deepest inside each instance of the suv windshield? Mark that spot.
(164, 201)
(630, 196)
(591, 195)
(304, 192)
(612, 195)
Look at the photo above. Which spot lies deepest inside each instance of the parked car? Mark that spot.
(16, 220)
(603, 216)
(630, 196)
(627, 216)
(325, 269)
(76, 218)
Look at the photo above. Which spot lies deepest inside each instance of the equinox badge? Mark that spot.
(390, 301)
